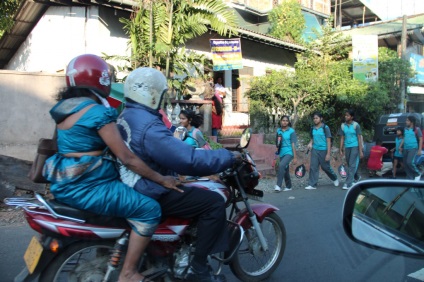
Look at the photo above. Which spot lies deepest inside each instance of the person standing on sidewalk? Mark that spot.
(321, 152)
(397, 154)
(286, 142)
(351, 146)
(412, 145)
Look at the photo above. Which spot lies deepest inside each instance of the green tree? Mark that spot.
(8, 9)
(287, 21)
(322, 81)
(159, 28)
(391, 70)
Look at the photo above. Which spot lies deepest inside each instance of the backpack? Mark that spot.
(355, 124)
(331, 138)
(206, 146)
(278, 142)
(416, 135)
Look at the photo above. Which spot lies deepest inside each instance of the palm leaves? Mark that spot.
(173, 23)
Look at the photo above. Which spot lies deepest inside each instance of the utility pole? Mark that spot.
(335, 14)
(402, 105)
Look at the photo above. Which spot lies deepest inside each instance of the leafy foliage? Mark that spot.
(392, 70)
(323, 81)
(287, 21)
(156, 41)
(214, 145)
(8, 9)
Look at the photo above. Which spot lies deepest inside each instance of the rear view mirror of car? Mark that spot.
(387, 215)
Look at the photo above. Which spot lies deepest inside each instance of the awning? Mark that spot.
(415, 90)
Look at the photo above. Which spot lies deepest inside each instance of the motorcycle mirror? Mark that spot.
(386, 215)
(181, 133)
(245, 138)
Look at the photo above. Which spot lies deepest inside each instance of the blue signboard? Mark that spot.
(417, 64)
(226, 54)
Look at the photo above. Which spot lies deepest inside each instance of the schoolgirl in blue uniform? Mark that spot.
(411, 147)
(287, 153)
(321, 152)
(350, 146)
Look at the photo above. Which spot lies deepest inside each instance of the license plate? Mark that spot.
(33, 254)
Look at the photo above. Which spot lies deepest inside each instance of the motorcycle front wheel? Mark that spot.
(251, 263)
(82, 261)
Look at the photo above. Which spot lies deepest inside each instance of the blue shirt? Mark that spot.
(410, 139)
(320, 136)
(397, 153)
(190, 140)
(288, 137)
(350, 133)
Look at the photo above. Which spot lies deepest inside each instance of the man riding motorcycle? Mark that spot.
(141, 126)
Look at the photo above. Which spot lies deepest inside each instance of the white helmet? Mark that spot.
(146, 86)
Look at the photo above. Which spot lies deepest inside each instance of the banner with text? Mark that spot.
(226, 54)
(417, 64)
(365, 57)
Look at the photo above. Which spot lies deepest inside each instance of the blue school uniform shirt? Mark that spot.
(351, 135)
(397, 152)
(288, 137)
(320, 136)
(410, 139)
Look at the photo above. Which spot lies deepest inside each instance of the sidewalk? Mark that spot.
(267, 184)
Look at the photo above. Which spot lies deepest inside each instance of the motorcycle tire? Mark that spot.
(81, 261)
(250, 263)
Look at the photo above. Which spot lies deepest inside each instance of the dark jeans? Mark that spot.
(214, 131)
(284, 171)
(209, 208)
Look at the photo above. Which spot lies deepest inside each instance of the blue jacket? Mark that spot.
(143, 130)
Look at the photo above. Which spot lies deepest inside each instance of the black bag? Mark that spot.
(342, 171)
(45, 149)
(300, 171)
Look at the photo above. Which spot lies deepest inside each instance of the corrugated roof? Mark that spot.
(352, 12)
(30, 12)
(25, 19)
(393, 28)
(269, 40)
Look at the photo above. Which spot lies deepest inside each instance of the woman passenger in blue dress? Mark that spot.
(83, 175)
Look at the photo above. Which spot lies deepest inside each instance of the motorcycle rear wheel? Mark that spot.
(251, 263)
(82, 261)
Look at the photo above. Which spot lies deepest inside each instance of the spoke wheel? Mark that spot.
(251, 263)
(81, 262)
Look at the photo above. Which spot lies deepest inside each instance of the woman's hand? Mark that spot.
(171, 182)
(327, 157)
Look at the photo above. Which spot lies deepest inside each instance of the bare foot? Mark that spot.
(130, 277)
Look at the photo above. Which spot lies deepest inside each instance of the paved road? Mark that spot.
(317, 248)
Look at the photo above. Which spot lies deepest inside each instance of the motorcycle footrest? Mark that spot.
(154, 273)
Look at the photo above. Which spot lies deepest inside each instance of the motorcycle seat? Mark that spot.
(88, 217)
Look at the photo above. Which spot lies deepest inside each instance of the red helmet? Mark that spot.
(89, 71)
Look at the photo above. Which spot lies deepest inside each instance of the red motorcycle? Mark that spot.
(80, 246)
